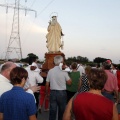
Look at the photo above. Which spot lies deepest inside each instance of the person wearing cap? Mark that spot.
(111, 85)
(34, 78)
(54, 35)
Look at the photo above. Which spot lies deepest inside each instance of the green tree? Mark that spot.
(29, 58)
(100, 60)
(31, 55)
(80, 59)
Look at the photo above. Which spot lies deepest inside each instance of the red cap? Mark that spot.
(108, 61)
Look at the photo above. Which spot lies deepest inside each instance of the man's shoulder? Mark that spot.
(57, 71)
(29, 95)
(52, 69)
(24, 95)
(110, 74)
(6, 93)
(4, 83)
(4, 86)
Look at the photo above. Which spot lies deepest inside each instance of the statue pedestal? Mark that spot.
(49, 62)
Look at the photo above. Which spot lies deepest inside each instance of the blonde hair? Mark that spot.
(87, 69)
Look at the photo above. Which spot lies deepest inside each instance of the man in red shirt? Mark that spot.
(111, 85)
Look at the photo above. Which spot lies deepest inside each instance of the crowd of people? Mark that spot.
(75, 92)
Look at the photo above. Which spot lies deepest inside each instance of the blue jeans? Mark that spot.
(58, 100)
(108, 95)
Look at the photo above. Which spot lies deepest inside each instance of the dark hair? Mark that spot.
(107, 65)
(32, 59)
(97, 78)
(118, 67)
(74, 65)
(17, 74)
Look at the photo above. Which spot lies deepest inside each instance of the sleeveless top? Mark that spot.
(75, 77)
(84, 83)
(89, 106)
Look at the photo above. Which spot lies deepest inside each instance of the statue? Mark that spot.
(54, 36)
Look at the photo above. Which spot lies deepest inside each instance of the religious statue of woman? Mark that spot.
(54, 36)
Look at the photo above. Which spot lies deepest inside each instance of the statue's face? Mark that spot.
(54, 20)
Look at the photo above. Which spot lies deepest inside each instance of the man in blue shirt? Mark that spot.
(16, 104)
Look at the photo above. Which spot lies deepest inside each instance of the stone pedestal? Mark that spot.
(49, 62)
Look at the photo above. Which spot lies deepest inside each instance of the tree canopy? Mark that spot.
(29, 58)
(100, 60)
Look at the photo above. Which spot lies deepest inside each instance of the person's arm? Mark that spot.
(39, 78)
(116, 88)
(115, 113)
(67, 113)
(1, 116)
(49, 27)
(1, 108)
(68, 79)
(32, 117)
(80, 83)
(69, 82)
(116, 94)
(33, 89)
(31, 108)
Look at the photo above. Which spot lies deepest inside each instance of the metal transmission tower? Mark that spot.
(14, 41)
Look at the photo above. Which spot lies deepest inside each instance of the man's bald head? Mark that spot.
(7, 65)
(6, 68)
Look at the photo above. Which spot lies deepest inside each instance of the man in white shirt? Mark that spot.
(113, 69)
(5, 84)
(81, 69)
(34, 78)
(57, 79)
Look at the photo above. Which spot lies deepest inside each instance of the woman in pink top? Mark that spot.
(92, 105)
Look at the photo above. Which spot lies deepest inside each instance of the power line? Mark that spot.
(15, 33)
(27, 12)
(39, 14)
(46, 7)
(32, 3)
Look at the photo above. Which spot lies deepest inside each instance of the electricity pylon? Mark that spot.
(14, 40)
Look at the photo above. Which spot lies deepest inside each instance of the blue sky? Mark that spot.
(91, 27)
